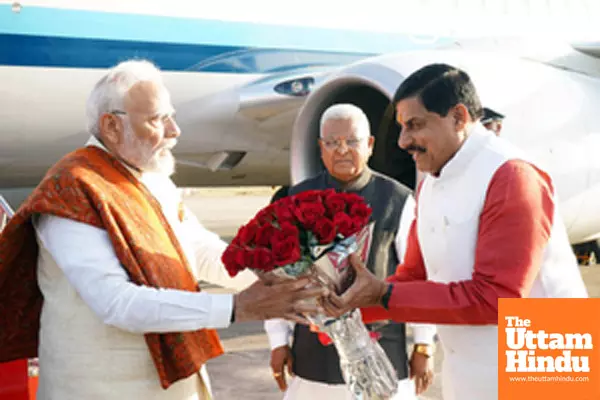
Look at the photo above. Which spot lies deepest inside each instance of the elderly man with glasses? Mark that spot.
(346, 145)
(99, 268)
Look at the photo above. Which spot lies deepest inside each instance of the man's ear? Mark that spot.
(461, 116)
(110, 128)
(321, 148)
(371, 144)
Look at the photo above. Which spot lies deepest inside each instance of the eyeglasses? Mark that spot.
(164, 118)
(337, 143)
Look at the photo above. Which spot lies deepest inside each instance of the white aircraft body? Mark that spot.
(249, 86)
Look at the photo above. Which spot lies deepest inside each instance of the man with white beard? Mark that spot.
(99, 268)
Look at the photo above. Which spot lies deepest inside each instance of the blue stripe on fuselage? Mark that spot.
(48, 37)
(39, 51)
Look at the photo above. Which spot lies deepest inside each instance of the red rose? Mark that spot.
(284, 210)
(232, 270)
(357, 224)
(247, 233)
(327, 193)
(248, 258)
(287, 251)
(309, 213)
(278, 236)
(310, 196)
(325, 231)
(289, 229)
(266, 215)
(344, 224)
(285, 232)
(264, 235)
(228, 256)
(263, 260)
(361, 211)
(335, 203)
(240, 257)
(229, 260)
(352, 198)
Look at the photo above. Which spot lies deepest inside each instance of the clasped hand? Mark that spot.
(288, 299)
(366, 290)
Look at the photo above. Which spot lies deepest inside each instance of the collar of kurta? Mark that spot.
(466, 153)
(356, 184)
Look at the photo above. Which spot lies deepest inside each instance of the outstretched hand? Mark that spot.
(367, 290)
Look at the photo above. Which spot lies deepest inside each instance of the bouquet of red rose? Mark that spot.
(312, 234)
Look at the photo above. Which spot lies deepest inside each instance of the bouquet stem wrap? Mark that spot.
(365, 367)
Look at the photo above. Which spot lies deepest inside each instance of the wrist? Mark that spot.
(384, 298)
(424, 349)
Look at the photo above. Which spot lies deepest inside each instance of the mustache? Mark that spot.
(414, 148)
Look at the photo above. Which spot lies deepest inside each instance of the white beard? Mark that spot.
(162, 161)
(142, 156)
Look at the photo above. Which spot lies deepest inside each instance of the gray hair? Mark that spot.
(346, 111)
(108, 94)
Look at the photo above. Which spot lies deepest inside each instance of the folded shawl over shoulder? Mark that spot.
(92, 187)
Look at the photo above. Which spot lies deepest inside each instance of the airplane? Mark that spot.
(249, 87)
(249, 81)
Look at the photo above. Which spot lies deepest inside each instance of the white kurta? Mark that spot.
(93, 318)
(449, 209)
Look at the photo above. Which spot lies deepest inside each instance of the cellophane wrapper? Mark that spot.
(365, 367)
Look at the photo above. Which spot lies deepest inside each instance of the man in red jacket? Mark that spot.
(486, 227)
